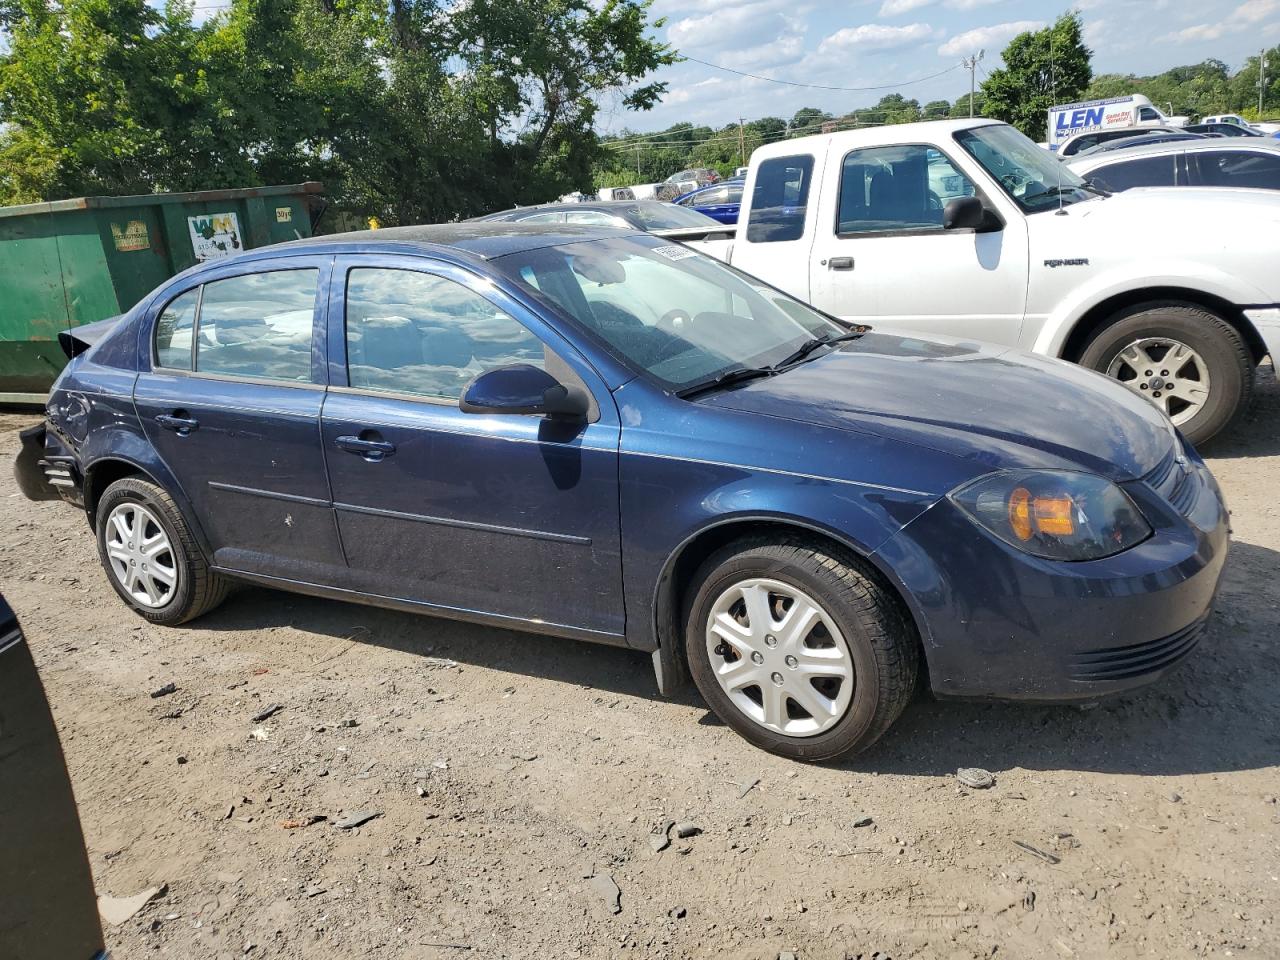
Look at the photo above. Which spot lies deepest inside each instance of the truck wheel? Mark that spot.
(150, 556)
(1189, 362)
(800, 652)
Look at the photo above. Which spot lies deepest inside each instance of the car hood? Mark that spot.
(1002, 408)
(1226, 233)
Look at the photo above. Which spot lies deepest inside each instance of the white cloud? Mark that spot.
(729, 25)
(1247, 16)
(894, 8)
(991, 38)
(970, 4)
(874, 36)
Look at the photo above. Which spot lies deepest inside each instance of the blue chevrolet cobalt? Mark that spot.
(603, 435)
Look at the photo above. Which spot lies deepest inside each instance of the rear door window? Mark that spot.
(258, 325)
(780, 200)
(1240, 168)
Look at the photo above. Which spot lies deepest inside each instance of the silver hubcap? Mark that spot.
(1168, 373)
(140, 554)
(779, 657)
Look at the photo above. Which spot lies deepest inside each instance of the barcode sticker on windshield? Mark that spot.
(675, 252)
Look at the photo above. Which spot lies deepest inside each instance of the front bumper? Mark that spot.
(1000, 624)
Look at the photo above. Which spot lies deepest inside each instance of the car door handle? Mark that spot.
(371, 450)
(840, 263)
(179, 425)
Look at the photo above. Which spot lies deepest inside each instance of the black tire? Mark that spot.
(881, 640)
(198, 589)
(1226, 355)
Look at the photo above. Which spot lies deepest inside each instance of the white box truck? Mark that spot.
(1072, 119)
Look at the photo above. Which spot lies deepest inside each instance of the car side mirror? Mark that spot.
(520, 388)
(964, 213)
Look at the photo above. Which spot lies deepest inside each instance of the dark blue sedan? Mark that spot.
(604, 435)
(720, 201)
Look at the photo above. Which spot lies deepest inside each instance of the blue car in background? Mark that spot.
(720, 201)
(600, 434)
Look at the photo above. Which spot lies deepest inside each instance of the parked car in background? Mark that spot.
(1223, 130)
(1174, 293)
(1073, 119)
(700, 175)
(609, 437)
(48, 910)
(1207, 163)
(720, 201)
(1145, 140)
(1267, 128)
(1087, 141)
(652, 216)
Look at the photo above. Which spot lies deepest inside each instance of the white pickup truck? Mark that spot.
(967, 228)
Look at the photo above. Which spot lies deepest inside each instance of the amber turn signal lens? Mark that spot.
(1020, 513)
(1053, 516)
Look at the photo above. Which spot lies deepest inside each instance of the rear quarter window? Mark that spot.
(1143, 172)
(780, 200)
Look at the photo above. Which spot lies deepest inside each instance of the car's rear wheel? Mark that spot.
(1187, 361)
(799, 650)
(150, 555)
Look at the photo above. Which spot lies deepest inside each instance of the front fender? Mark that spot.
(1133, 278)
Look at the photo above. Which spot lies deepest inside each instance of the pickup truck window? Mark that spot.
(885, 189)
(1033, 178)
(780, 200)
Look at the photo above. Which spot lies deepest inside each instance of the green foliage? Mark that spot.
(1041, 68)
(410, 110)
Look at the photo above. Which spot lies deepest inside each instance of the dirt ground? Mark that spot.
(517, 777)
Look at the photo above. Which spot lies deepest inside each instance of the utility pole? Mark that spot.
(971, 64)
(637, 161)
(1262, 79)
(742, 144)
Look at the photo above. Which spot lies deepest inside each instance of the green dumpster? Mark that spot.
(71, 262)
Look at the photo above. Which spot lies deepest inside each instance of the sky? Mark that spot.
(866, 43)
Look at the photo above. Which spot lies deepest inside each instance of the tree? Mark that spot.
(413, 110)
(937, 109)
(807, 120)
(1041, 68)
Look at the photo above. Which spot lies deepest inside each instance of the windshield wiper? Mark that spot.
(726, 379)
(1094, 187)
(809, 346)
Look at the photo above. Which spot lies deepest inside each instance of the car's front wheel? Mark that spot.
(150, 555)
(797, 649)
(1189, 362)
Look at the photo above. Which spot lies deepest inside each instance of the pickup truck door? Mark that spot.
(881, 254)
(776, 241)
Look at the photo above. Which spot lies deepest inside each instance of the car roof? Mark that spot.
(891, 135)
(1231, 144)
(478, 239)
(607, 206)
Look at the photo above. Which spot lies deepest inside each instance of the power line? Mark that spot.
(820, 86)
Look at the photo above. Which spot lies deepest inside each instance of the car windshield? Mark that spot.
(665, 216)
(666, 310)
(1034, 178)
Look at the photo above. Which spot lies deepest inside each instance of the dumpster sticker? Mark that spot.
(130, 236)
(284, 214)
(215, 235)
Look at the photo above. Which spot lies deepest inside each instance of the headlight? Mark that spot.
(1055, 514)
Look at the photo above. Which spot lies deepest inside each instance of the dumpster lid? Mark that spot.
(198, 196)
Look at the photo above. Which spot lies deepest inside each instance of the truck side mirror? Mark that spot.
(964, 213)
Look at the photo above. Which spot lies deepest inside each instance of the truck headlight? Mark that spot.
(1058, 515)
